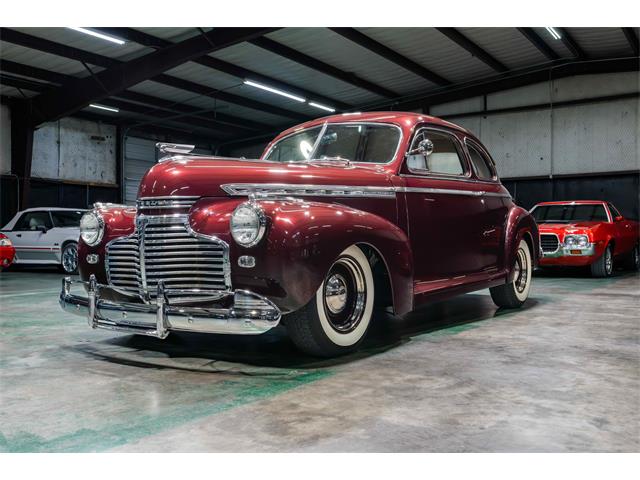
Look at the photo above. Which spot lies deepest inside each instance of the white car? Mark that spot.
(46, 236)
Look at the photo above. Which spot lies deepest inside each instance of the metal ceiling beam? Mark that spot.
(632, 38)
(537, 41)
(242, 73)
(476, 51)
(71, 53)
(319, 66)
(188, 120)
(571, 44)
(76, 95)
(15, 68)
(391, 55)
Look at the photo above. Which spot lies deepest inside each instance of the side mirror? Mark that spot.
(42, 228)
(425, 147)
(619, 218)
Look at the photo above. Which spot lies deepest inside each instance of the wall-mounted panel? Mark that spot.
(519, 142)
(599, 137)
(75, 150)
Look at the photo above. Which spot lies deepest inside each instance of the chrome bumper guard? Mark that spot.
(564, 251)
(249, 313)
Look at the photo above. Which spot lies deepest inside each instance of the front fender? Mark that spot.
(302, 240)
(520, 225)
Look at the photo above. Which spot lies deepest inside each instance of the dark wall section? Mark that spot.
(623, 190)
(47, 193)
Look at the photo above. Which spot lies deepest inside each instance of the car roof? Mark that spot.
(573, 202)
(52, 209)
(403, 119)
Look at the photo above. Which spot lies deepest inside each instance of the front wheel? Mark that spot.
(69, 261)
(633, 260)
(514, 294)
(337, 318)
(603, 267)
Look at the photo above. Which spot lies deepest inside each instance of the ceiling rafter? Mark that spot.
(160, 103)
(632, 38)
(322, 67)
(242, 73)
(537, 41)
(571, 44)
(77, 94)
(391, 55)
(54, 48)
(474, 49)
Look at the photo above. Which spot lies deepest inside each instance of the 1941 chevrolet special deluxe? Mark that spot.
(341, 216)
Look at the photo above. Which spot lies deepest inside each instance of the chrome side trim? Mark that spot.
(284, 189)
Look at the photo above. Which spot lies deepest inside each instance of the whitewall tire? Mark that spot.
(337, 318)
(516, 292)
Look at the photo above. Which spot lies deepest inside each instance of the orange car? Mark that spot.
(586, 232)
(7, 252)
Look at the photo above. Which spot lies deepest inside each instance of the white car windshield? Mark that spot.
(353, 142)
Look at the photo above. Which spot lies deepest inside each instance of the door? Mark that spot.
(625, 234)
(31, 239)
(445, 212)
(496, 204)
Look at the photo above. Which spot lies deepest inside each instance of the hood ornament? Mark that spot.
(168, 150)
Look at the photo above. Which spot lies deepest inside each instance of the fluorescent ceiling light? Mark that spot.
(322, 107)
(102, 107)
(108, 38)
(275, 90)
(553, 33)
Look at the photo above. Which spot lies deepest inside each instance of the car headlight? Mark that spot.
(91, 228)
(248, 224)
(578, 241)
(5, 242)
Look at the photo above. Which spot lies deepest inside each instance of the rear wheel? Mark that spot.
(69, 260)
(337, 318)
(633, 261)
(514, 294)
(603, 267)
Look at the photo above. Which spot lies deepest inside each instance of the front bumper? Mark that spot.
(248, 313)
(569, 256)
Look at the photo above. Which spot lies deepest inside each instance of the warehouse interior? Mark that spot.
(80, 116)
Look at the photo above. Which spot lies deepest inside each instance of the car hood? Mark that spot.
(567, 226)
(204, 176)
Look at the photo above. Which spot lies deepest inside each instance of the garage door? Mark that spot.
(139, 156)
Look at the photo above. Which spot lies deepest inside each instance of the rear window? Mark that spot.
(570, 213)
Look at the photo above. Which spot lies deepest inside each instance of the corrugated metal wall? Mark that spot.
(139, 156)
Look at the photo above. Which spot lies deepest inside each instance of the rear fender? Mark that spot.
(520, 225)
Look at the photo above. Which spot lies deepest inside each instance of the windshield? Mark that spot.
(370, 143)
(570, 213)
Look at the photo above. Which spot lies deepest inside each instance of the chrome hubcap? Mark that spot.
(607, 261)
(521, 271)
(70, 259)
(335, 293)
(345, 295)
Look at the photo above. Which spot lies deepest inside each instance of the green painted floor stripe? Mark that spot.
(234, 394)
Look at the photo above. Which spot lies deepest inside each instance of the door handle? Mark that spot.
(19, 235)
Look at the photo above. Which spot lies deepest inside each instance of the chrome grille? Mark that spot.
(549, 242)
(165, 248)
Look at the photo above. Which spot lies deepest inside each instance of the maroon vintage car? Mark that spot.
(341, 216)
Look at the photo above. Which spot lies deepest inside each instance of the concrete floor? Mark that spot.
(562, 374)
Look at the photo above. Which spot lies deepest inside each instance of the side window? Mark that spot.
(66, 218)
(481, 164)
(31, 221)
(444, 159)
(614, 211)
